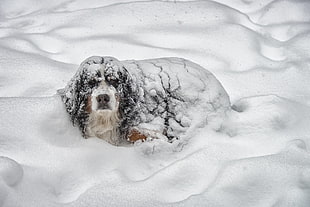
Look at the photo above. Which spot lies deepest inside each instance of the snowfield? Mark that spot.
(258, 50)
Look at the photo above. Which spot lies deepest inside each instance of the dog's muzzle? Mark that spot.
(103, 101)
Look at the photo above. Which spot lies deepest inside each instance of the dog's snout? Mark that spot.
(103, 98)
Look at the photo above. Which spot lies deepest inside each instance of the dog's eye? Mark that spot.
(113, 82)
(93, 82)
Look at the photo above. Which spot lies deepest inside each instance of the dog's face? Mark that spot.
(103, 99)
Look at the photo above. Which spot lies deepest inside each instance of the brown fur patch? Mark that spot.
(135, 135)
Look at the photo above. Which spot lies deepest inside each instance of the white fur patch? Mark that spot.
(104, 123)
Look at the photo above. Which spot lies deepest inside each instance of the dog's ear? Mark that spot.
(77, 92)
(128, 105)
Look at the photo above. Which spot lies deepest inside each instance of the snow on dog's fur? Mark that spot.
(131, 100)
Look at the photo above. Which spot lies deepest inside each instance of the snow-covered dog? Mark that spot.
(131, 100)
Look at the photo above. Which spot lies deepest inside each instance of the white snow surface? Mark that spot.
(258, 50)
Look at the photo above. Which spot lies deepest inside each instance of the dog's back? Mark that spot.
(176, 95)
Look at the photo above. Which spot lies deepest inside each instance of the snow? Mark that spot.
(11, 172)
(259, 52)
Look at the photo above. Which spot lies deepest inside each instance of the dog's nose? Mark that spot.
(103, 98)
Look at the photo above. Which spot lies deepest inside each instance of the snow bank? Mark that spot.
(259, 52)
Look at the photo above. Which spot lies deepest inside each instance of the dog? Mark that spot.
(126, 101)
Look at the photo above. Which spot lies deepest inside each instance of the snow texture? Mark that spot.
(258, 50)
(10, 171)
(168, 96)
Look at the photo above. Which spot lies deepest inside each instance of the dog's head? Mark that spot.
(101, 86)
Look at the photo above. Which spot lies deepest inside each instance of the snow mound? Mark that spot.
(10, 171)
(263, 176)
(264, 114)
(11, 174)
